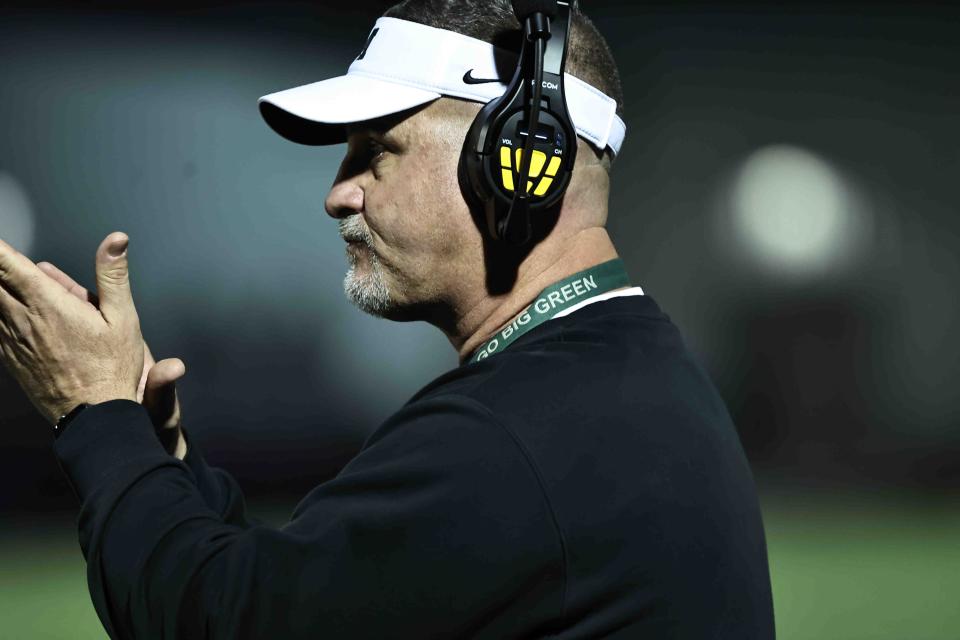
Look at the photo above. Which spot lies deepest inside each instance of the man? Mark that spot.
(576, 477)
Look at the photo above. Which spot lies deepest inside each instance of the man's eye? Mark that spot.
(375, 150)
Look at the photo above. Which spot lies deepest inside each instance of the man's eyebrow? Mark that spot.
(374, 128)
(386, 136)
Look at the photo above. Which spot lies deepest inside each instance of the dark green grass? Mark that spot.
(864, 567)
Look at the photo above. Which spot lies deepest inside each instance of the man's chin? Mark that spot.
(368, 293)
(388, 310)
(380, 307)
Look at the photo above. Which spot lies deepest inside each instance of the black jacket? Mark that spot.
(587, 482)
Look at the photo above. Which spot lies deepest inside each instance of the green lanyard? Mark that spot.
(561, 295)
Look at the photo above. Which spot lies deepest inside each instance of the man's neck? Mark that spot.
(485, 316)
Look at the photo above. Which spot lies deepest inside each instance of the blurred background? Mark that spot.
(787, 192)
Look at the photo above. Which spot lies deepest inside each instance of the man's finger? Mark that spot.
(18, 275)
(68, 283)
(166, 371)
(113, 278)
(160, 394)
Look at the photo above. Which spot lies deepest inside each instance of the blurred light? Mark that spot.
(792, 211)
(16, 215)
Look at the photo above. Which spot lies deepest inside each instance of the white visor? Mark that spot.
(406, 64)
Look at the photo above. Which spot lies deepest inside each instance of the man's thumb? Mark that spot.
(113, 277)
(160, 393)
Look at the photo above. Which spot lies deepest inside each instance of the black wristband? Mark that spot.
(66, 419)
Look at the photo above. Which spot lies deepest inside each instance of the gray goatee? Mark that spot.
(367, 291)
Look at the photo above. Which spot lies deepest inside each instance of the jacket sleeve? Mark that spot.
(217, 487)
(439, 521)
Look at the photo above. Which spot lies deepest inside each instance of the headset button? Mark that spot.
(505, 156)
(553, 166)
(507, 176)
(543, 186)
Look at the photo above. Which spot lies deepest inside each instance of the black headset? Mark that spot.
(524, 138)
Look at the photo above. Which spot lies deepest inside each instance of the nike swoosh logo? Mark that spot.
(469, 79)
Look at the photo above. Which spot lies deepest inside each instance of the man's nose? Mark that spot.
(345, 198)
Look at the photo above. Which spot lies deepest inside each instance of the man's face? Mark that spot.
(400, 208)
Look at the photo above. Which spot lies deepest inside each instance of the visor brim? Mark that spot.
(316, 113)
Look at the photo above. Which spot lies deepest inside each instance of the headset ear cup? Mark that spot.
(465, 168)
(472, 176)
(466, 171)
(487, 170)
(466, 188)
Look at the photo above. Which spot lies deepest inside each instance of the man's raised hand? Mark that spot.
(157, 390)
(61, 351)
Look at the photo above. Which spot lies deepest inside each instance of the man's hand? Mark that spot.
(62, 350)
(157, 390)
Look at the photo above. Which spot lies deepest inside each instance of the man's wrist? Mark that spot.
(64, 421)
(105, 437)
